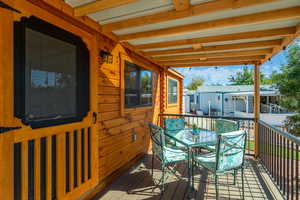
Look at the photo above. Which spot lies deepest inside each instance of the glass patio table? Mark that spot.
(187, 138)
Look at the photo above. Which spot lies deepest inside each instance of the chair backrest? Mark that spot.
(230, 150)
(158, 140)
(224, 126)
(174, 125)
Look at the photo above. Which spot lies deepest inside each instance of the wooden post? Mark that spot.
(256, 107)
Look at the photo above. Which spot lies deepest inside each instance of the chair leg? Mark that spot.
(163, 178)
(152, 164)
(234, 176)
(243, 192)
(216, 186)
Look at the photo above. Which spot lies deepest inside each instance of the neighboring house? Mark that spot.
(238, 101)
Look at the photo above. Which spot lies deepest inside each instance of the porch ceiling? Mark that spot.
(179, 33)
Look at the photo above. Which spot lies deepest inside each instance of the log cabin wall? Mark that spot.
(123, 133)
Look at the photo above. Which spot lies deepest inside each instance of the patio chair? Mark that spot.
(223, 126)
(229, 157)
(166, 155)
(173, 126)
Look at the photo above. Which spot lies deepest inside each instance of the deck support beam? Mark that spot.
(256, 107)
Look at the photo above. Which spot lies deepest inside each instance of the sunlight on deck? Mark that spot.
(137, 183)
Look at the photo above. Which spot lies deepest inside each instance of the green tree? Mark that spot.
(288, 83)
(246, 77)
(195, 83)
(242, 78)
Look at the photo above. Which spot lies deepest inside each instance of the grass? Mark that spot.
(283, 151)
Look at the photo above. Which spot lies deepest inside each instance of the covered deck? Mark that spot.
(104, 154)
(137, 183)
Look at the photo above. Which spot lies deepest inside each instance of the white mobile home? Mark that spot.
(237, 101)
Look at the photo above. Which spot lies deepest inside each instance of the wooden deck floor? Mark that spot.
(137, 184)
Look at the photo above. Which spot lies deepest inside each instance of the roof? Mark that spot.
(233, 88)
(184, 33)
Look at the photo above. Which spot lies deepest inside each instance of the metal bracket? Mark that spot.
(8, 7)
(6, 129)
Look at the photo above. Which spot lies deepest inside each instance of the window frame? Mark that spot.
(138, 82)
(82, 71)
(177, 93)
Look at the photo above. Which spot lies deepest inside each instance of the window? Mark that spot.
(51, 74)
(172, 91)
(138, 86)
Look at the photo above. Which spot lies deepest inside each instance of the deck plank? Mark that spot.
(138, 184)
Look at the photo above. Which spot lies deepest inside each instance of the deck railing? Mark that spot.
(280, 154)
(208, 123)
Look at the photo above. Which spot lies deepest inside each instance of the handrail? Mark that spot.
(207, 116)
(281, 132)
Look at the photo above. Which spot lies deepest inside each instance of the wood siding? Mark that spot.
(118, 127)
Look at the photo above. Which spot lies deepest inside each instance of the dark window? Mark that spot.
(172, 91)
(191, 98)
(51, 74)
(138, 86)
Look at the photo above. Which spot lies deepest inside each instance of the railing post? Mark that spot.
(256, 107)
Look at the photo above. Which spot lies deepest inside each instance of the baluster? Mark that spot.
(288, 169)
(79, 157)
(86, 154)
(292, 170)
(48, 168)
(71, 160)
(284, 166)
(281, 164)
(24, 170)
(61, 165)
(297, 172)
(37, 169)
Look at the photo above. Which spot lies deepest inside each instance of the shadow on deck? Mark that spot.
(137, 183)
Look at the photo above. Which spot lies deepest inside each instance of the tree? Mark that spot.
(246, 77)
(195, 83)
(288, 83)
(242, 78)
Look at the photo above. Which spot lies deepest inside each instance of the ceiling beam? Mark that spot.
(213, 64)
(215, 55)
(231, 47)
(221, 38)
(195, 10)
(99, 5)
(269, 16)
(226, 59)
(285, 42)
(181, 4)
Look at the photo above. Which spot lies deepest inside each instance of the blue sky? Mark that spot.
(214, 75)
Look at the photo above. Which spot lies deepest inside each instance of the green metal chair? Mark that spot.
(171, 127)
(166, 155)
(223, 126)
(228, 158)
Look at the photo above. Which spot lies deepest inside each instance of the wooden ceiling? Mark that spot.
(185, 33)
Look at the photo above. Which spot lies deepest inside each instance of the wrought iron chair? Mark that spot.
(223, 126)
(173, 126)
(166, 155)
(228, 158)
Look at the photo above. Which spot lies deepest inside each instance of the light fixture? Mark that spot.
(202, 59)
(106, 56)
(197, 46)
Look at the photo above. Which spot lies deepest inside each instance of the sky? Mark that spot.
(220, 74)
